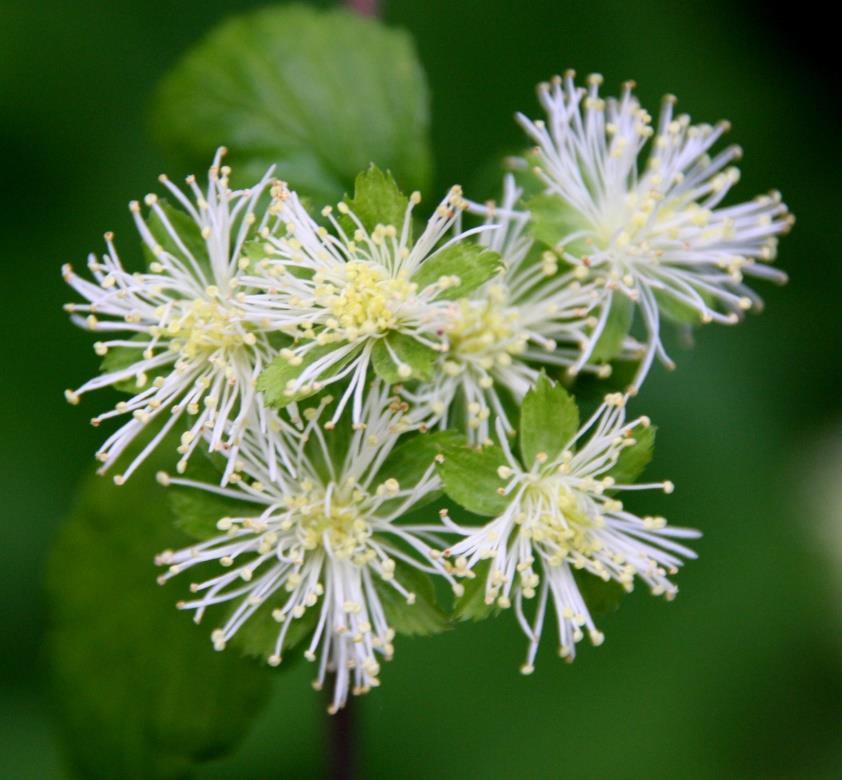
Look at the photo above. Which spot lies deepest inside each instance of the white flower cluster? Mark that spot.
(312, 357)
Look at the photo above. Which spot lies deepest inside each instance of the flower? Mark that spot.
(342, 294)
(654, 234)
(498, 338)
(184, 342)
(323, 545)
(563, 516)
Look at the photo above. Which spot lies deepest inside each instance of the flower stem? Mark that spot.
(341, 743)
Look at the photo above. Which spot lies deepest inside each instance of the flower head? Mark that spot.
(534, 314)
(655, 234)
(348, 293)
(184, 344)
(322, 546)
(563, 515)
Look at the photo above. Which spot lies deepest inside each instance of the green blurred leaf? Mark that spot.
(139, 692)
(549, 418)
(185, 228)
(470, 478)
(272, 382)
(471, 604)
(119, 358)
(424, 616)
(195, 511)
(473, 264)
(320, 94)
(377, 201)
(678, 311)
(632, 460)
(417, 357)
(600, 596)
(616, 328)
(257, 636)
(551, 219)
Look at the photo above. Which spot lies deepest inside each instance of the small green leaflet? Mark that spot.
(185, 228)
(470, 478)
(377, 201)
(273, 381)
(197, 512)
(616, 328)
(551, 219)
(549, 418)
(473, 264)
(418, 358)
(119, 358)
(632, 460)
(471, 604)
(600, 596)
(424, 616)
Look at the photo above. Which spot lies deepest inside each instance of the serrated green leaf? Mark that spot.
(549, 418)
(422, 618)
(616, 328)
(470, 478)
(377, 201)
(471, 604)
(138, 690)
(272, 382)
(319, 93)
(601, 597)
(419, 358)
(632, 460)
(473, 264)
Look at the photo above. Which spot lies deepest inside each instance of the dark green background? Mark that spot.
(740, 677)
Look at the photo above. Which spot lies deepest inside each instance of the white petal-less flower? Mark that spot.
(338, 293)
(498, 338)
(322, 542)
(187, 346)
(564, 516)
(654, 232)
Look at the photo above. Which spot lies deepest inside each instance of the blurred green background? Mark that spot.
(742, 675)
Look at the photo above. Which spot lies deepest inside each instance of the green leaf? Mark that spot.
(473, 264)
(616, 328)
(377, 200)
(139, 691)
(424, 616)
(632, 460)
(196, 512)
(470, 478)
(678, 311)
(471, 604)
(601, 597)
(551, 219)
(257, 636)
(186, 229)
(409, 461)
(418, 358)
(119, 358)
(272, 382)
(549, 418)
(319, 93)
